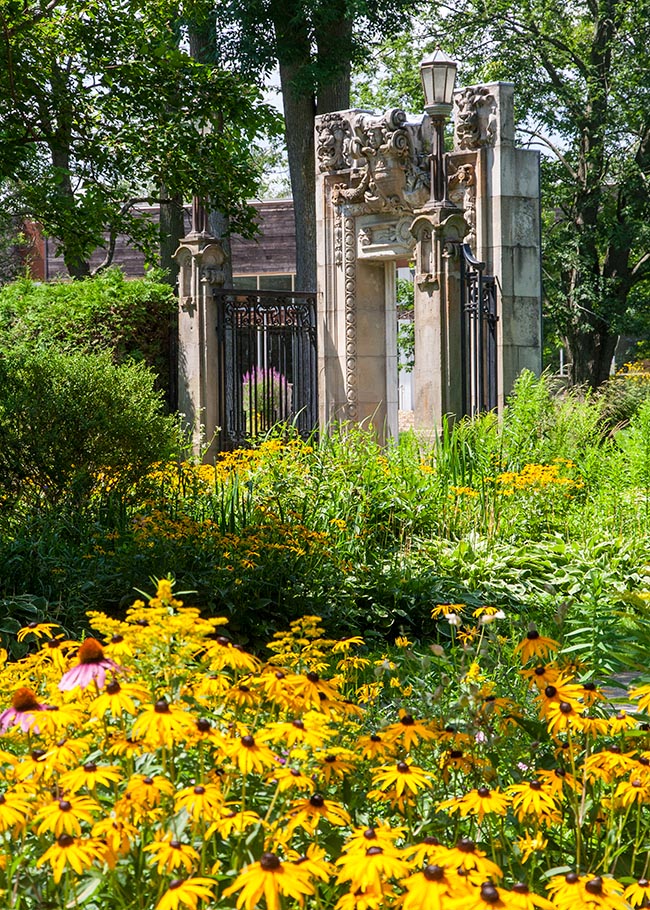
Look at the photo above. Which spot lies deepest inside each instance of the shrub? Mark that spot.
(71, 421)
(129, 319)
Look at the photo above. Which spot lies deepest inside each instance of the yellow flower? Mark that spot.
(64, 816)
(307, 813)
(401, 778)
(171, 854)
(529, 844)
(534, 645)
(249, 755)
(188, 891)
(79, 855)
(38, 629)
(162, 724)
(90, 776)
(270, 878)
(14, 811)
(531, 800)
(465, 855)
(479, 802)
(408, 731)
(369, 869)
(432, 888)
(638, 893)
(202, 802)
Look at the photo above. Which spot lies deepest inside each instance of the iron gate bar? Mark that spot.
(266, 370)
(478, 319)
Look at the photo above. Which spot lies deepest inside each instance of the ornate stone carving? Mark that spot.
(385, 239)
(462, 192)
(475, 118)
(386, 156)
(350, 277)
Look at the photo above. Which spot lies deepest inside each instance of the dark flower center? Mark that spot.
(565, 707)
(431, 841)
(203, 725)
(489, 893)
(535, 785)
(571, 878)
(407, 720)
(269, 862)
(330, 758)
(65, 840)
(483, 792)
(434, 873)
(370, 834)
(456, 753)
(161, 706)
(550, 691)
(24, 700)
(113, 687)
(402, 767)
(298, 724)
(199, 791)
(594, 885)
(90, 767)
(375, 738)
(317, 801)
(643, 883)
(116, 639)
(222, 640)
(521, 888)
(175, 844)
(532, 635)
(247, 741)
(540, 671)
(175, 883)
(313, 677)
(64, 805)
(295, 772)
(38, 755)
(90, 652)
(374, 851)
(148, 781)
(465, 845)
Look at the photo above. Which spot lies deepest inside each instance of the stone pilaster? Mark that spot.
(200, 259)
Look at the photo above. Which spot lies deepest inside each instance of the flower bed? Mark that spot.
(160, 765)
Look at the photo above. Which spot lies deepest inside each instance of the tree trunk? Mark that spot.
(590, 354)
(172, 229)
(299, 114)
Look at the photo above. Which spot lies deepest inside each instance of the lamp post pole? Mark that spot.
(438, 74)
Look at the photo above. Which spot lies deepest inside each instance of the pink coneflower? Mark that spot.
(21, 713)
(92, 666)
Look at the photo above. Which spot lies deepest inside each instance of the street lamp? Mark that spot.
(438, 78)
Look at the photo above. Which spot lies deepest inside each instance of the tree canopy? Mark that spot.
(100, 106)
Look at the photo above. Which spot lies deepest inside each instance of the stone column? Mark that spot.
(437, 377)
(372, 174)
(200, 259)
(498, 186)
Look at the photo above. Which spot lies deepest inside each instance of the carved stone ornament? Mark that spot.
(385, 156)
(475, 118)
(351, 378)
(462, 192)
(385, 239)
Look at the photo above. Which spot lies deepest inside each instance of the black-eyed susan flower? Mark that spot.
(312, 730)
(636, 789)
(562, 716)
(535, 645)
(222, 653)
(370, 898)
(292, 779)
(117, 699)
(486, 897)
(574, 890)
(162, 724)
(170, 854)
(433, 887)
(65, 815)
(479, 802)
(201, 801)
(530, 800)
(530, 844)
(378, 835)
(621, 722)
(466, 856)
(148, 790)
(91, 667)
(15, 809)
(270, 878)
(67, 752)
(38, 630)
(186, 892)
(307, 813)
(542, 675)
(401, 779)
(609, 764)
(370, 869)
(642, 694)
(23, 711)
(79, 854)
(91, 775)
(232, 822)
(309, 690)
(408, 731)
(335, 765)
(117, 833)
(249, 754)
(34, 766)
(638, 893)
(375, 745)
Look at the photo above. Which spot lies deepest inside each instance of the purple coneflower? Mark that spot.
(92, 666)
(21, 713)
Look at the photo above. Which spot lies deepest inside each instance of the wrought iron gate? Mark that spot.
(478, 298)
(266, 363)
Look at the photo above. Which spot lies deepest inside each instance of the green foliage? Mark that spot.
(67, 419)
(100, 106)
(128, 319)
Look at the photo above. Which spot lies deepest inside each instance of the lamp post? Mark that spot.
(438, 74)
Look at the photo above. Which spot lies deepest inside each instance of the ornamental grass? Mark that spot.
(157, 765)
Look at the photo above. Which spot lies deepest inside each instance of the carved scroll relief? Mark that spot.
(475, 118)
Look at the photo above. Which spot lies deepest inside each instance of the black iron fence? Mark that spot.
(267, 368)
(478, 335)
